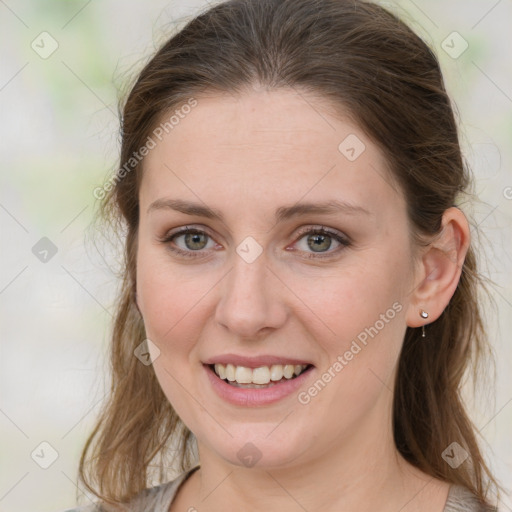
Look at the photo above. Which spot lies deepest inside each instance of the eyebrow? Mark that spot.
(281, 214)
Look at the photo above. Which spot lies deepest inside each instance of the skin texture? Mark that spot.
(246, 156)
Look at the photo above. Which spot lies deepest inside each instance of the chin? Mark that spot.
(258, 452)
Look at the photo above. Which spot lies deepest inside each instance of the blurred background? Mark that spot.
(63, 65)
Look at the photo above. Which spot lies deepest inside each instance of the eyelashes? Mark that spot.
(321, 234)
(189, 234)
(316, 237)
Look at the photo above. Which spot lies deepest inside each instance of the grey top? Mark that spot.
(159, 498)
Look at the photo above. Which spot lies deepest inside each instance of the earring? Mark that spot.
(423, 314)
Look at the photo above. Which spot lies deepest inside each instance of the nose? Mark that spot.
(251, 302)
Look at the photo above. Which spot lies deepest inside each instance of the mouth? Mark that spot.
(257, 378)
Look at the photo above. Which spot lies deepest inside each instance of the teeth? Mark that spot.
(243, 375)
(276, 372)
(288, 371)
(221, 371)
(230, 372)
(261, 375)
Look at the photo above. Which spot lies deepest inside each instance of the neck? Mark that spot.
(361, 471)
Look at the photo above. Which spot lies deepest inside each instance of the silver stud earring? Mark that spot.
(423, 314)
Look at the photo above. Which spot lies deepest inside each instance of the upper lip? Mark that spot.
(255, 361)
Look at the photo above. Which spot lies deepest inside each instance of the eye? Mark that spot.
(313, 242)
(192, 241)
(319, 241)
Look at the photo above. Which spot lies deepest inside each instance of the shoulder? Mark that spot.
(156, 499)
(93, 507)
(461, 499)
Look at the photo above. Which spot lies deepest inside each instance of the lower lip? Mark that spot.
(251, 397)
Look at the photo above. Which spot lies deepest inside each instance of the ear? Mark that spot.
(440, 269)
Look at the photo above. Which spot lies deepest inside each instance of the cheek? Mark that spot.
(364, 309)
(170, 305)
(354, 297)
(172, 300)
(368, 320)
(379, 323)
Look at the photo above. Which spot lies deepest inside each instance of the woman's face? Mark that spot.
(254, 286)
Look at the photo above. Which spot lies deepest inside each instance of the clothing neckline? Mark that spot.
(175, 485)
(455, 492)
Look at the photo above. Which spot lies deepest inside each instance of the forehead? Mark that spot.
(264, 147)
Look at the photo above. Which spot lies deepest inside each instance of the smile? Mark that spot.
(258, 386)
(263, 376)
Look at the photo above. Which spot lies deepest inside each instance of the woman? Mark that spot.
(300, 298)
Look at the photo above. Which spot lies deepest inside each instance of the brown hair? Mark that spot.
(369, 63)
